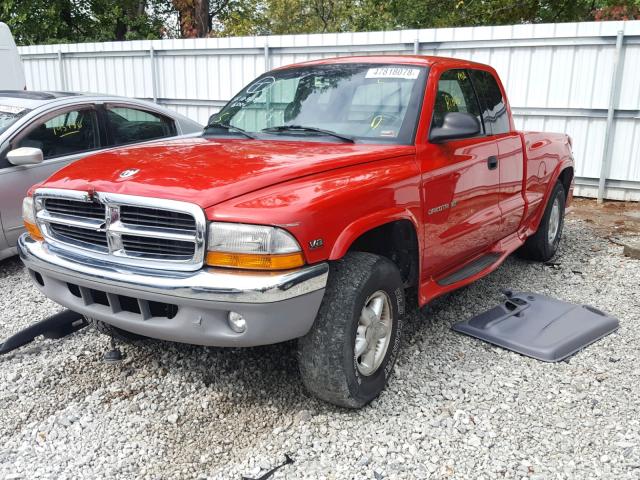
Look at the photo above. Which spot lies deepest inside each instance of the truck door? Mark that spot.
(461, 183)
(497, 121)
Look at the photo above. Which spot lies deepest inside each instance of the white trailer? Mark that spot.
(12, 77)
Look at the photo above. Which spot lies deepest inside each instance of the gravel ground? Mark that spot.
(456, 408)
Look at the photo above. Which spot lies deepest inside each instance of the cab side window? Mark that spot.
(72, 132)
(455, 94)
(494, 109)
(130, 125)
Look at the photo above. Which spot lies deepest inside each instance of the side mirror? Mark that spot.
(25, 156)
(455, 125)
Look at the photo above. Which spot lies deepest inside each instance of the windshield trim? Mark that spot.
(414, 109)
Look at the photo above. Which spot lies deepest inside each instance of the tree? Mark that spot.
(616, 10)
(128, 19)
(317, 16)
(203, 18)
(491, 12)
(243, 18)
(65, 21)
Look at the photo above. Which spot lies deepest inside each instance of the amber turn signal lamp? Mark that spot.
(33, 231)
(255, 261)
(29, 219)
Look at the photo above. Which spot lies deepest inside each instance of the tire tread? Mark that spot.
(321, 351)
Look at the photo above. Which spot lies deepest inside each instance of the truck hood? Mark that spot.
(208, 171)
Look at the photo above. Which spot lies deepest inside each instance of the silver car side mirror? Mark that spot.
(25, 156)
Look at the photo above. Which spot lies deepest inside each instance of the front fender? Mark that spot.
(362, 225)
(327, 211)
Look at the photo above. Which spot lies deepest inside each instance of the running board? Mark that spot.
(470, 269)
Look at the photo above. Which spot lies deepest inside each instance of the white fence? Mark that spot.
(579, 78)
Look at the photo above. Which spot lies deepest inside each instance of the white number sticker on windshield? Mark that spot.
(393, 72)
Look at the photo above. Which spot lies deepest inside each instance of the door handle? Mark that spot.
(492, 162)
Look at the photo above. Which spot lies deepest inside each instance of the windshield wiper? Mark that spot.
(229, 128)
(302, 128)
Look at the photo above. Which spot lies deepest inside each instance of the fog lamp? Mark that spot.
(237, 322)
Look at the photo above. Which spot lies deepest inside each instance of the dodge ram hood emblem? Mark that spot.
(129, 173)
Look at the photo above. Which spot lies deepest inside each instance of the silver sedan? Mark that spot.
(40, 132)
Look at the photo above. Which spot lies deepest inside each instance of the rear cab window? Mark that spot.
(494, 109)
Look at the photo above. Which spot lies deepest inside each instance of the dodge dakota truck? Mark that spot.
(315, 203)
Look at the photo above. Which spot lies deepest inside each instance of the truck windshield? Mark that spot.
(368, 103)
(9, 114)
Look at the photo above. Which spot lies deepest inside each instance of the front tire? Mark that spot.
(348, 355)
(543, 244)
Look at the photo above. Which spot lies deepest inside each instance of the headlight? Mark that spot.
(255, 247)
(29, 218)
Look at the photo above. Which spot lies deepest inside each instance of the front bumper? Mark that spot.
(188, 307)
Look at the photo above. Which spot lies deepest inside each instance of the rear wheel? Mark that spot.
(543, 244)
(347, 357)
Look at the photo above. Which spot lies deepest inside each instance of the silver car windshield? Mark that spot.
(9, 114)
(365, 103)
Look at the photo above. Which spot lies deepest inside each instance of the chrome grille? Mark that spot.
(83, 235)
(74, 208)
(157, 246)
(154, 217)
(155, 233)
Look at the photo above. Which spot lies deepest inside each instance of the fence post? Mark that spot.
(267, 59)
(63, 83)
(416, 46)
(154, 85)
(605, 165)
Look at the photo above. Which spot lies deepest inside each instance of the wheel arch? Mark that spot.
(393, 235)
(564, 174)
(566, 178)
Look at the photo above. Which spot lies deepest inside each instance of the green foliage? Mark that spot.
(618, 10)
(76, 21)
(127, 19)
(489, 12)
(61, 21)
(317, 16)
(245, 17)
(289, 16)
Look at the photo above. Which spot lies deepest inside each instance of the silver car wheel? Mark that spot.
(374, 333)
(554, 221)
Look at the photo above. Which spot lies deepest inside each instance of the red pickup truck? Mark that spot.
(315, 203)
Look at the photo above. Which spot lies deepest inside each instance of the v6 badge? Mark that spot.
(317, 243)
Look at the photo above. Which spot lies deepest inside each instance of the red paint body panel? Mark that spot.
(338, 191)
(209, 171)
(546, 156)
(456, 172)
(337, 206)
